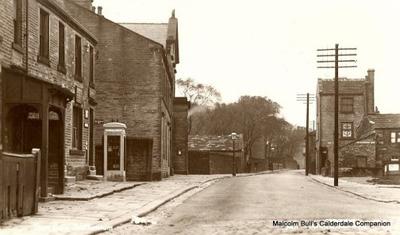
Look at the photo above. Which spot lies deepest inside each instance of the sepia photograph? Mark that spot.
(204, 117)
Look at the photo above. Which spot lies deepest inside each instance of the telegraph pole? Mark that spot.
(306, 98)
(336, 67)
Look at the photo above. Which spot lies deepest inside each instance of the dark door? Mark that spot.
(138, 159)
(56, 153)
(91, 141)
(199, 162)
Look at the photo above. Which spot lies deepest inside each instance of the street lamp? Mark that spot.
(234, 137)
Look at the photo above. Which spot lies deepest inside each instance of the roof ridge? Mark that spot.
(163, 23)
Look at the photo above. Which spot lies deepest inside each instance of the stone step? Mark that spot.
(70, 179)
(94, 177)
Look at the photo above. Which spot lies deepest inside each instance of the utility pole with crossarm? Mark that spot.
(348, 53)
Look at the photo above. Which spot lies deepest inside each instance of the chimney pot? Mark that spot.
(94, 9)
(100, 10)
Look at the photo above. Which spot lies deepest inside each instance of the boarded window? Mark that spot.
(77, 128)
(61, 45)
(44, 36)
(78, 58)
(91, 67)
(347, 130)
(17, 19)
(346, 105)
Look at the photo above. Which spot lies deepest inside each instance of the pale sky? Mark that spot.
(268, 48)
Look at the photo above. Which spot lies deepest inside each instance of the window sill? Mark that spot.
(77, 152)
(62, 69)
(43, 60)
(17, 47)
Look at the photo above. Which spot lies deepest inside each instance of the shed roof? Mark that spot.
(214, 143)
(383, 121)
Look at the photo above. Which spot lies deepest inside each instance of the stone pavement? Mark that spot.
(380, 193)
(102, 213)
(89, 189)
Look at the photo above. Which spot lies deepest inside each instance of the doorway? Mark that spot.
(23, 129)
(56, 152)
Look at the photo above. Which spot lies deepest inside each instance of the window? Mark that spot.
(77, 128)
(61, 47)
(346, 105)
(17, 19)
(395, 137)
(91, 67)
(44, 37)
(78, 58)
(347, 130)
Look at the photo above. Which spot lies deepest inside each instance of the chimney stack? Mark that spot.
(370, 91)
(100, 10)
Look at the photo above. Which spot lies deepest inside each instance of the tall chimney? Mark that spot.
(100, 10)
(370, 94)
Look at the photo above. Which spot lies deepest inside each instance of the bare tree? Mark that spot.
(198, 93)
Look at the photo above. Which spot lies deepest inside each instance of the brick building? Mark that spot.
(47, 93)
(376, 149)
(356, 99)
(214, 154)
(135, 85)
(180, 136)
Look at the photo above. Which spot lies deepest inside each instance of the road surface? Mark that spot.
(282, 203)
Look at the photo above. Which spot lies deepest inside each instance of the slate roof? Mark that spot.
(157, 32)
(214, 143)
(346, 86)
(381, 121)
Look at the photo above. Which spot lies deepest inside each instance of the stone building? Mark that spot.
(376, 149)
(180, 136)
(135, 85)
(258, 159)
(214, 154)
(356, 99)
(47, 88)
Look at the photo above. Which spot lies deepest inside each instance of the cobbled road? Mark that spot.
(250, 205)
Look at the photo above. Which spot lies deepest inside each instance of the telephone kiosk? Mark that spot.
(114, 151)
